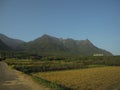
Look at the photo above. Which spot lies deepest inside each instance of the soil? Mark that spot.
(14, 80)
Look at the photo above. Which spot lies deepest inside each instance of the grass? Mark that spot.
(90, 74)
(30, 66)
(95, 65)
(52, 85)
(101, 78)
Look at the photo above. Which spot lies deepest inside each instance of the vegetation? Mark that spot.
(52, 85)
(75, 67)
(47, 54)
(29, 66)
(104, 78)
(51, 46)
(49, 64)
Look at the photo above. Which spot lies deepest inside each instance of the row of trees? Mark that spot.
(29, 66)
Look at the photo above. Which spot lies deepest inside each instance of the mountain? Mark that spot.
(4, 47)
(45, 45)
(12, 43)
(49, 45)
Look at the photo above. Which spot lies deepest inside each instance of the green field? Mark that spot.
(102, 78)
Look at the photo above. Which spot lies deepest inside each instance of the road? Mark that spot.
(14, 80)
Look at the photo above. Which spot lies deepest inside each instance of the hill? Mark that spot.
(12, 43)
(4, 47)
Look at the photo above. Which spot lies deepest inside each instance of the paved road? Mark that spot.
(14, 80)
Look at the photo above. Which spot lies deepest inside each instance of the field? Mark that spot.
(54, 64)
(74, 73)
(101, 78)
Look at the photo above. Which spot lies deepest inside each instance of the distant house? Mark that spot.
(98, 54)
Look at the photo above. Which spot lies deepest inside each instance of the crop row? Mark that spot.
(30, 66)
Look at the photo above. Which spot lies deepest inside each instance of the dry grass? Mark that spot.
(103, 78)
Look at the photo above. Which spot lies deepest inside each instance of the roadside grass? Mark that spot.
(52, 85)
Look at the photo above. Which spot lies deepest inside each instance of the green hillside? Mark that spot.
(49, 45)
(4, 47)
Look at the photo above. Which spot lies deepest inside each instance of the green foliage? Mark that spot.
(56, 63)
(52, 46)
(27, 66)
(52, 85)
(49, 64)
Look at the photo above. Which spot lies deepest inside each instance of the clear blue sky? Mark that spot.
(96, 20)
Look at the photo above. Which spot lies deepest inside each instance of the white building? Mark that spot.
(98, 54)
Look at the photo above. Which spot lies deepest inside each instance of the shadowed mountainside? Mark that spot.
(12, 43)
(3, 46)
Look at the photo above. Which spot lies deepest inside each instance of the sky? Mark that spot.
(96, 20)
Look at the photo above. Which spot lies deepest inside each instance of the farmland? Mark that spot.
(102, 78)
(74, 73)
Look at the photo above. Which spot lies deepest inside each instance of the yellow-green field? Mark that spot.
(102, 78)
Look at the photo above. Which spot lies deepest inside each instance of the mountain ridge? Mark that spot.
(50, 45)
(13, 43)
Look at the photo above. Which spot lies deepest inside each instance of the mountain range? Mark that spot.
(10, 42)
(49, 45)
